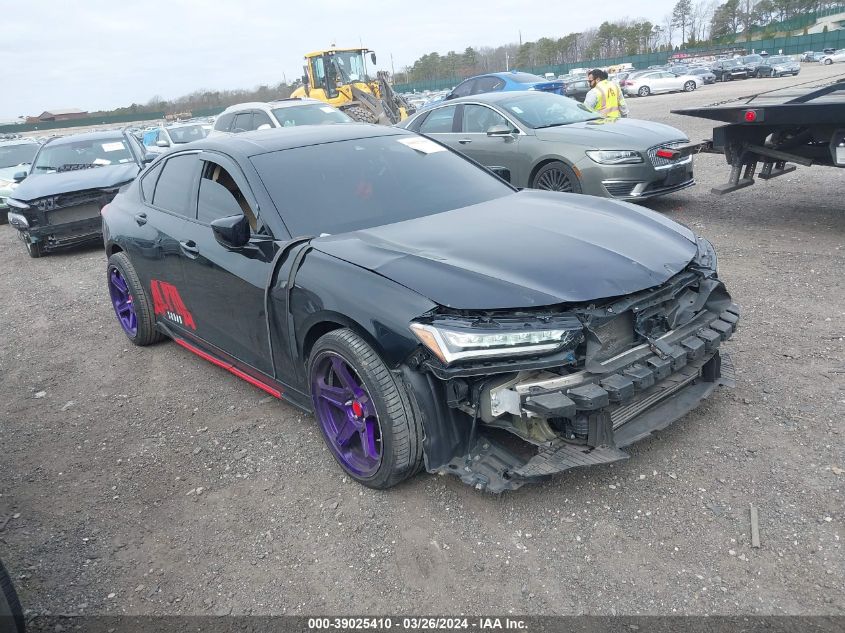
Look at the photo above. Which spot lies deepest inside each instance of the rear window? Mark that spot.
(315, 114)
(358, 184)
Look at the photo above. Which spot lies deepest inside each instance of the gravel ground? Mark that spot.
(146, 481)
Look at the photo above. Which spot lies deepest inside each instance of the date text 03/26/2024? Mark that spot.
(416, 624)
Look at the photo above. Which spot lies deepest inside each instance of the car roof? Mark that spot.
(497, 97)
(87, 136)
(279, 103)
(256, 142)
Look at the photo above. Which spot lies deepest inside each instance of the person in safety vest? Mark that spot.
(605, 97)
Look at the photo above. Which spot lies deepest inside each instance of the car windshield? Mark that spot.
(22, 153)
(539, 110)
(731, 63)
(369, 182)
(779, 60)
(309, 115)
(187, 133)
(525, 78)
(69, 155)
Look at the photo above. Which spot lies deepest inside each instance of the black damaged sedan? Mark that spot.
(59, 199)
(427, 313)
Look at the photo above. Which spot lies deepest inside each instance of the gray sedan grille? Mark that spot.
(657, 161)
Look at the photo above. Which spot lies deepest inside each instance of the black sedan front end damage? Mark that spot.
(63, 220)
(607, 375)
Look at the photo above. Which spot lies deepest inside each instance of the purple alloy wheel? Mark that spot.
(346, 414)
(121, 299)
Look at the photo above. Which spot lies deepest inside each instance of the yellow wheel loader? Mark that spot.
(339, 77)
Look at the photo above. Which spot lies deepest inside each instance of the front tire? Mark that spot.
(644, 91)
(689, 86)
(34, 249)
(131, 304)
(556, 176)
(361, 114)
(828, 62)
(10, 607)
(366, 414)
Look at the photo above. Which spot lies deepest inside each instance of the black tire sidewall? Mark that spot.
(146, 332)
(337, 342)
(576, 184)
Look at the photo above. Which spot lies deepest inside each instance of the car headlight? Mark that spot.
(615, 156)
(706, 257)
(454, 343)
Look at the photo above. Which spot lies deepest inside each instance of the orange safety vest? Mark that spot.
(608, 104)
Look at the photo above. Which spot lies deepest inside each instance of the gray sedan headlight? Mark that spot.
(615, 156)
(452, 344)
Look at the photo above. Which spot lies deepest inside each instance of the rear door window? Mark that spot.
(148, 182)
(439, 121)
(176, 185)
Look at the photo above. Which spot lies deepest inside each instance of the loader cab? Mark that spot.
(332, 69)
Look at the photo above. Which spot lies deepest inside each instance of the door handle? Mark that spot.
(141, 218)
(190, 249)
(465, 141)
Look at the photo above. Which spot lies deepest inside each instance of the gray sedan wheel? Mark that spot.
(644, 91)
(557, 176)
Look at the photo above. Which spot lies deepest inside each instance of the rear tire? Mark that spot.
(367, 416)
(689, 86)
(556, 176)
(10, 606)
(145, 329)
(828, 62)
(644, 91)
(361, 114)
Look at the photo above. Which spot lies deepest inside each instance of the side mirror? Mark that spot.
(148, 158)
(19, 176)
(162, 144)
(373, 57)
(501, 129)
(265, 126)
(231, 231)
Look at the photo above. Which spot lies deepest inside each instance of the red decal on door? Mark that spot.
(167, 302)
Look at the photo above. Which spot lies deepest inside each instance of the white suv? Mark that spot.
(244, 117)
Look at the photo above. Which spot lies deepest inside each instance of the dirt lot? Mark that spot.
(146, 481)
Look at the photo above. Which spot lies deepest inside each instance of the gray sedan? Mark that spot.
(544, 141)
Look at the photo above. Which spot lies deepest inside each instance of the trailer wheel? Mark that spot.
(361, 114)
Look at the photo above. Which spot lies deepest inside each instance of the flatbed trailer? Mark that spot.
(804, 126)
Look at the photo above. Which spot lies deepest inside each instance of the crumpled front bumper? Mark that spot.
(621, 401)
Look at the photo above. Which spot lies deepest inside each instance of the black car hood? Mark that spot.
(528, 249)
(39, 185)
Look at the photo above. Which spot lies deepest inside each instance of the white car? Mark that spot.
(245, 117)
(835, 56)
(158, 140)
(659, 81)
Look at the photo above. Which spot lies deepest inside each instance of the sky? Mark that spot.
(103, 54)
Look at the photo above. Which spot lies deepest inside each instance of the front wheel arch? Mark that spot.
(324, 323)
(545, 161)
